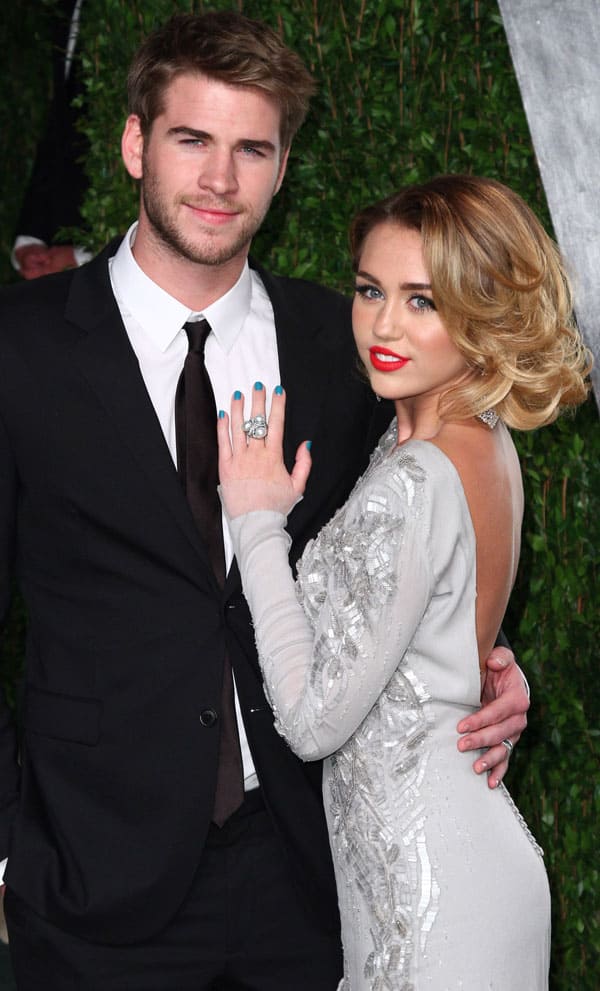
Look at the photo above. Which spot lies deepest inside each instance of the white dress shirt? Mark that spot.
(241, 350)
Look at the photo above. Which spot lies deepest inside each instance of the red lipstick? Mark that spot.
(385, 360)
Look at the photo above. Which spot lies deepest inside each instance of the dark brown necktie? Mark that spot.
(197, 452)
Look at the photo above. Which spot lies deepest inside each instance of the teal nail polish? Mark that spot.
(237, 394)
(309, 444)
(278, 390)
(258, 386)
(221, 414)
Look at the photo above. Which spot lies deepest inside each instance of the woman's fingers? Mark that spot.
(224, 442)
(258, 399)
(301, 469)
(238, 449)
(276, 421)
(238, 437)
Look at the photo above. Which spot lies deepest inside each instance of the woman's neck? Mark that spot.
(418, 418)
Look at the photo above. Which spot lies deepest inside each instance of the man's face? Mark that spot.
(209, 168)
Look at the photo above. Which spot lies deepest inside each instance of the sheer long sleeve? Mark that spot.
(329, 646)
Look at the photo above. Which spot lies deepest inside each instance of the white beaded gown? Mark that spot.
(370, 660)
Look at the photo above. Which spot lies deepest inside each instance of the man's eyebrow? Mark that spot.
(190, 132)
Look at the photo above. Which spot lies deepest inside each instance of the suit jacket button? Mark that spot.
(208, 717)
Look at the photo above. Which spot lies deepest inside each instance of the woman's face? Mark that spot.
(399, 334)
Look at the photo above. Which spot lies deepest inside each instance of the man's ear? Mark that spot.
(132, 146)
(282, 167)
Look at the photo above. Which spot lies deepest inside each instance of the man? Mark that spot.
(123, 870)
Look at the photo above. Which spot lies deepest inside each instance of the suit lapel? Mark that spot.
(305, 364)
(105, 358)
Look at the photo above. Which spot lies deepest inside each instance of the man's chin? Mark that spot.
(218, 255)
(211, 252)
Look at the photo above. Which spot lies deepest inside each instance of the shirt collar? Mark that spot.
(162, 316)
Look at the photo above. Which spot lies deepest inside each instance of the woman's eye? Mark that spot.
(368, 291)
(422, 303)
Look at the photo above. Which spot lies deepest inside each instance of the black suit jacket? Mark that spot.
(105, 821)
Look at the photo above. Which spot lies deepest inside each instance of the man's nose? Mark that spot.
(218, 172)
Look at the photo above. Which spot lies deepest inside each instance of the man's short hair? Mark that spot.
(224, 46)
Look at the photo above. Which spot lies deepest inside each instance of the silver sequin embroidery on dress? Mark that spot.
(380, 769)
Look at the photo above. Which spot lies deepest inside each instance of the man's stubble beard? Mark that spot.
(166, 230)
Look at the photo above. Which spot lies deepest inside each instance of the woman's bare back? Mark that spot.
(488, 466)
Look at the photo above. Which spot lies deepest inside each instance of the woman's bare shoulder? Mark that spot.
(483, 458)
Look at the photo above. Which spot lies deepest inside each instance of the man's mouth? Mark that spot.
(213, 214)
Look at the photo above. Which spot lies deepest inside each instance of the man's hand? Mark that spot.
(505, 702)
(38, 259)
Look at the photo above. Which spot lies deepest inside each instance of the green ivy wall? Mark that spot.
(407, 88)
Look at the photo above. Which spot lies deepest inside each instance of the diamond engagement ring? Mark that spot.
(509, 746)
(256, 427)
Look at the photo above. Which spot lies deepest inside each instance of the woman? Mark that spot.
(462, 317)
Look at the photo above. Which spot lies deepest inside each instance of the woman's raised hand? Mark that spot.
(252, 471)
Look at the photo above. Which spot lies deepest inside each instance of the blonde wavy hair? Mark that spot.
(500, 286)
